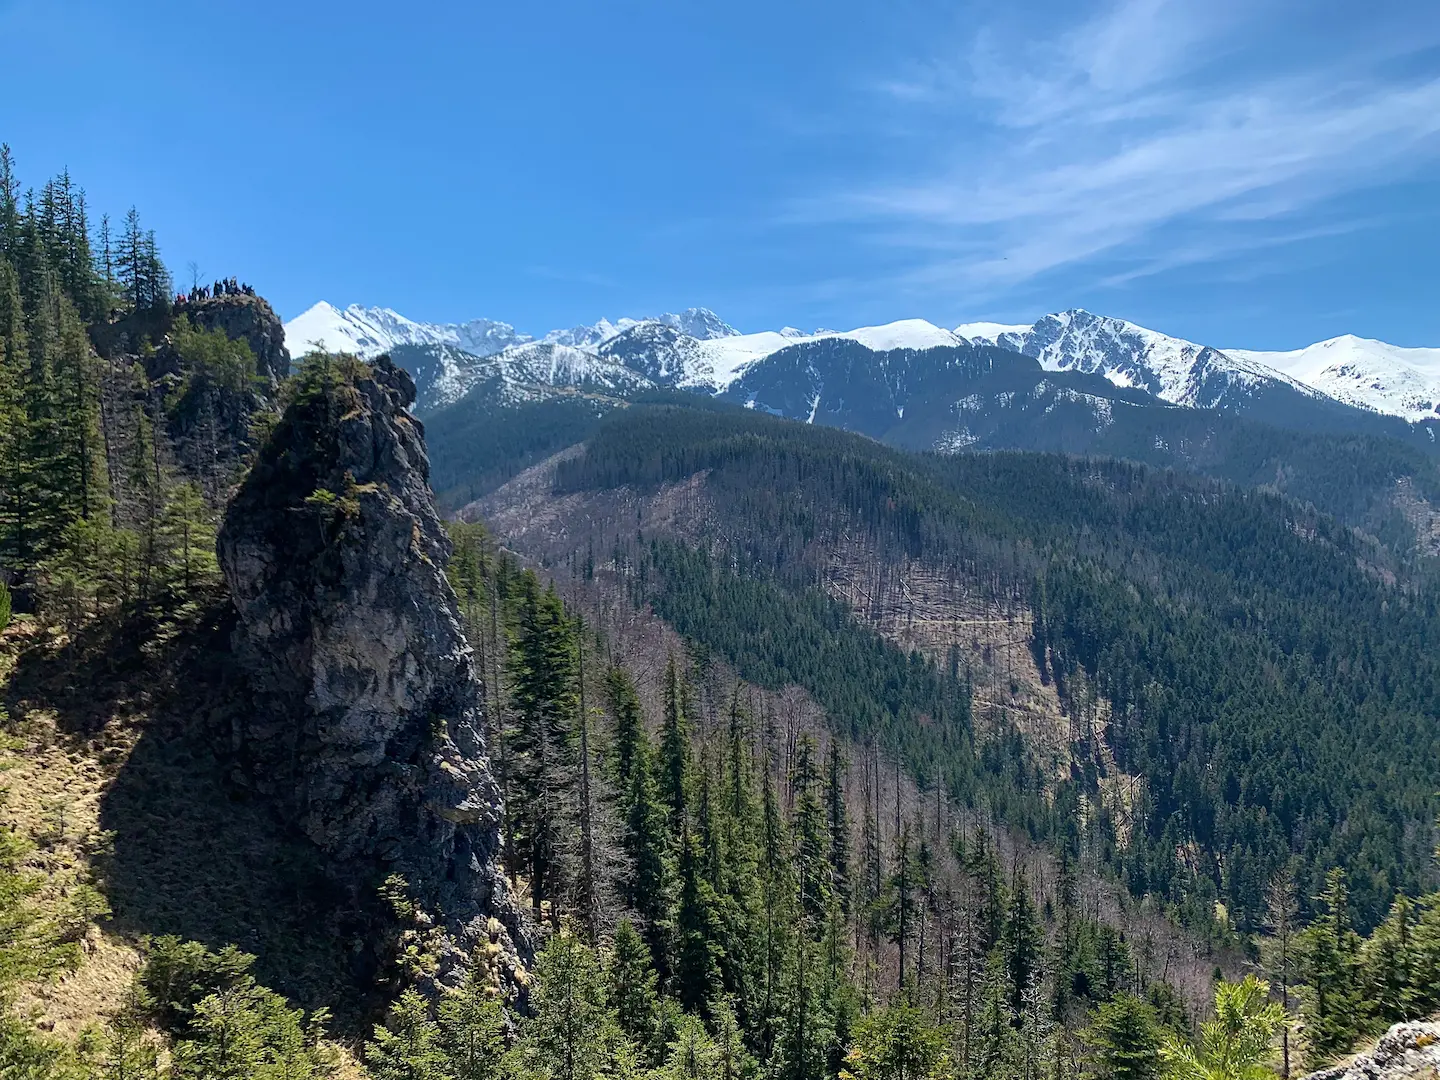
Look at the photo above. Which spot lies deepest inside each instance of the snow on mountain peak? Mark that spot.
(1371, 374)
(1173, 369)
(700, 323)
(989, 333)
(905, 334)
(696, 349)
(370, 331)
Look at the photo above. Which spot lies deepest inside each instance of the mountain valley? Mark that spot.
(652, 701)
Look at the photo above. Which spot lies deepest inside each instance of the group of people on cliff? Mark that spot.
(223, 287)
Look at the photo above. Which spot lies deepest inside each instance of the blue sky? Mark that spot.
(1257, 174)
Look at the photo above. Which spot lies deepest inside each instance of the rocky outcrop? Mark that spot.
(250, 318)
(369, 728)
(1405, 1052)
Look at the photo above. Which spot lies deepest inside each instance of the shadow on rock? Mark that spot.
(191, 853)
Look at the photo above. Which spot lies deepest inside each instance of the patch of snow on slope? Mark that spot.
(1403, 382)
(905, 334)
(581, 337)
(988, 333)
(727, 358)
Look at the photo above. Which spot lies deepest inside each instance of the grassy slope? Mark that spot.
(114, 778)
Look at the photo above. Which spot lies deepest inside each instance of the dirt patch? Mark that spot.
(921, 609)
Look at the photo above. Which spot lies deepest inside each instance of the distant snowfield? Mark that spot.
(989, 332)
(371, 331)
(1365, 372)
(730, 356)
(1386, 378)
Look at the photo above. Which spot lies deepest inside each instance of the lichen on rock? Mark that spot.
(1409, 1051)
(369, 727)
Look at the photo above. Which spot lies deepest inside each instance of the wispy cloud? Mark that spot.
(571, 277)
(1097, 141)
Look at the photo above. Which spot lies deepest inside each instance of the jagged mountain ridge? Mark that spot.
(1098, 386)
(1173, 369)
(368, 332)
(697, 350)
(445, 357)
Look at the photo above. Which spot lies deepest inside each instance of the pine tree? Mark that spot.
(778, 893)
(902, 898)
(408, 1047)
(811, 843)
(472, 1029)
(9, 205)
(899, 1042)
(16, 544)
(227, 1042)
(542, 683)
(732, 1059)
(995, 1045)
(125, 1050)
(631, 989)
(675, 748)
(587, 884)
(130, 262)
(1235, 1045)
(564, 1038)
(649, 889)
(697, 931)
(839, 826)
(1388, 963)
(693, 1054)
(628, 723)
(1023, 942)
(1126, 1040)
(1332, 1005)
(1278, 951)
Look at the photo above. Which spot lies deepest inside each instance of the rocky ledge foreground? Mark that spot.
(1405, 1052)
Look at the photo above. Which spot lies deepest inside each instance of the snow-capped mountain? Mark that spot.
(676, 359)
(444, 374)
(697, 350)
(370, 331)
(1173, 369)
(702, 324)
(1361, 371)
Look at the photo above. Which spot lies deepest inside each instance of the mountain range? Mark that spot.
(697, 350)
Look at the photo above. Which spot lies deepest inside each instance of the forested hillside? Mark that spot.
(1260, 668)
(1375, 472)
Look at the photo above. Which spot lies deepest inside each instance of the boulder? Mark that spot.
(1409, 1051)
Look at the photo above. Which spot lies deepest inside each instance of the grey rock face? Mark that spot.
(369, 731)
(251, 318)
(1405, 1052)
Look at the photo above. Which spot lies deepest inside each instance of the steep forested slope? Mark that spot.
(1367, 470)
(1259, 667)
